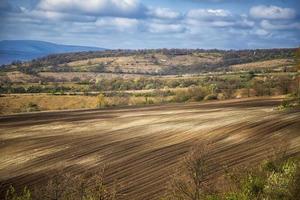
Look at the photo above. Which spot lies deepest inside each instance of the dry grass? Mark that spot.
(18, 77)
(16, 103)
(129, 64)
(146, 63)
(68, 76)
(19, 103)
(264, 64)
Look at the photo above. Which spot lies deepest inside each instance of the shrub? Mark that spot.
(194, 93)
(289, 103)
(272, 180)
(31, 107)
(211, 97)
(66, 186)
(11, 194)
(148, 101)
(117, 101)
(198, 93)
(101, 101)
(276, 179)
(181, 96)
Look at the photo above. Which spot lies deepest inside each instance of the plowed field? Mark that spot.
(141, 146)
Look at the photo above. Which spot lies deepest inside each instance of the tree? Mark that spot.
(258, 86)
(284, 83)
(248, 86)
(191, 183)
(297, 83)
(297, 58)
(101, 101)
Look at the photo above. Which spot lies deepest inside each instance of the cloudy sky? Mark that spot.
(224, 24)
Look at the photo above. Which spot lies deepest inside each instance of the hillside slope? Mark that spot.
(153, 61)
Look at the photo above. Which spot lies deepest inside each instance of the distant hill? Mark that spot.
(157, 61)
(24, 50)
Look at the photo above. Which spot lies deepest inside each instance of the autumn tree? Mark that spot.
(101, 101)
(297, 58)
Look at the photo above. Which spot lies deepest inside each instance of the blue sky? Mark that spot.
(223, 24)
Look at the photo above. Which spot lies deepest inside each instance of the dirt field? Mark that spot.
(142, 146)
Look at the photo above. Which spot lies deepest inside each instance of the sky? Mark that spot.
(139, 24)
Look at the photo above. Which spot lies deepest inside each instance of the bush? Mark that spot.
(31, 107)
(11, 194)
(118, 101)
(195, 93)
(211, 97)
(148, 101)
(66, 186)
(181, 96)
(198, 93)
(101, 101)
(276, 179)
(289, 103)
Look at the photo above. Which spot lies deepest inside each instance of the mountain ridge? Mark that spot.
(24, 50)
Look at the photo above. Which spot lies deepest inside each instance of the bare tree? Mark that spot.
(67, 186)
(192, 181)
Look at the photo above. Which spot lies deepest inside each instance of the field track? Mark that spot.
(142, 146)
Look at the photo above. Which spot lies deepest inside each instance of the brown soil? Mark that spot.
(141, 146)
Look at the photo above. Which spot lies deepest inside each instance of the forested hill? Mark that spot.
(154, 62)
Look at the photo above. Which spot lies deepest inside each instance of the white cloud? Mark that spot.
(217, 18)
(121, 24)
(165, 28)
(222, 23)
(272, 12)
(118, 8)
(279, 26)
(244, 22)
(129, 23)
(164, 13)
(125, 22)
(54, 16)
(261, 32)
(208, 14)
